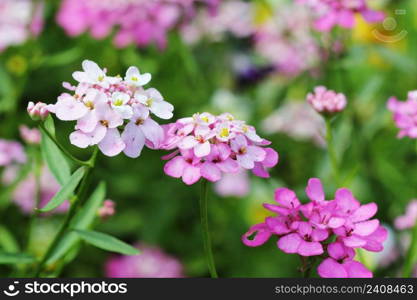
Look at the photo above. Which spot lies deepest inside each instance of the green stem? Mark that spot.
(73, 209)
(332, 153)
(63, 149)
(411, 257)
(205, 228)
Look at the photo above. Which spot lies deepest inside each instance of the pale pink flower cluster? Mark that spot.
(102, 104)
(141, 22)
(287, 42)
(405, 114)
(331, 13)
(11, 152)
(152, 262)
(30, 135)
(19, 19)
(326, 101)
(107, 210)
(409, 219)
(207, 146)
(333, 228)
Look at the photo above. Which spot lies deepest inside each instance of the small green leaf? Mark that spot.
(16, 258)
(106, 242)
(82, 220)
(7, 241)
(65, 192)
(54, 158)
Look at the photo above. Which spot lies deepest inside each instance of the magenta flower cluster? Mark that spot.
(326, 101)
(405, 114)
(207, 146)
(102, 104)
(140, 22)
(333, 229)
(331, 13)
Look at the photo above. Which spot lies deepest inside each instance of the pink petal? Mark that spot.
(310, 248)
(286, 198)
(277, 225)
(153, 132)
(88, 123)
(366, 228)
(354, 241)
(175, 167)
(257, 153)
(210, 172)
(271, 158)
(329, 268)
(345, 200)
(188, 142)
(357, 270)
(262, 234)
(346, 19)
(314, 190)
(290, 243)
(245, 161)
(69, 109)
(202, 149)
(112, 144)
(80, 139)
(319, 235)
(134, 139)
(228, 166)
(191, 174)
(336, 250)
(260, 171)
(335, 222)
(364, 212)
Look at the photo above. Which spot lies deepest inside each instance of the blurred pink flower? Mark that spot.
(405, 114)
(11, 152)
(30, 135)
(326, 101)
(305, 228)
(38, 111)
(409, 219)
(207, 146)
(152, 262)
(330, 13)
(298, 120)
(107, 210)
(18, 20)
(233, 184)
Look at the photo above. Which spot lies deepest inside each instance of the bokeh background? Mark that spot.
(218, 64)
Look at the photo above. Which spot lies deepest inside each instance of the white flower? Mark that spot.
(134, 77)
(153, 100)
(120, 103)
(92, 74)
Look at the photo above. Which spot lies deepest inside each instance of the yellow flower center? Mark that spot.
(104, 123)
(134, 78)
(100, 78)
(118, 102)
(224, 132)
(89, 104)
(149, 102)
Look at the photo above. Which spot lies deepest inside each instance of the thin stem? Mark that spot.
(63, 149)
(73, 209)
(332, 153)
(411, 257)
(205, 228)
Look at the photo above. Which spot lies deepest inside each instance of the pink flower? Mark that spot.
(305, 229)
(152, 262)
(38, 111)
(233, 184)
(102, 104)
(331, 13)
(404, 114)
(11, 152)
(30, 136)
(210, 145)
(107, 210)
(340, 264)
(409, 219)
(326, 101)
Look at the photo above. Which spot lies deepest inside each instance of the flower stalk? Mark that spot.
(331, 151)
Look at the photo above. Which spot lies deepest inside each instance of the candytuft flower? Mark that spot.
(326, 101)
(38, 111)
(101, 105)
(404, 114)
(334, 228)
(207, 146)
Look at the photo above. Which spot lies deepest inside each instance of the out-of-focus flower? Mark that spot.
(152, 262)
(107, 210)
(326, 101)
(286, 40)
(305, 228)
(298, 120)
(18, 20)
(101, 104)
(226, 100)
(409, 219)
(30, 135)
(231, 17)
(27, 190)
(330, 13)
(11, 152)
(38, 111)
(233, 184)
(405, 114)
(207, 146)
(141, 22)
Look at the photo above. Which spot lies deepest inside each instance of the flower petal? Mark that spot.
(329, 268)
(112, 144)
(290, 243)
(314, 190)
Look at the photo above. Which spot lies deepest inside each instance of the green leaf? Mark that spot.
(7, 240)
(106, 242)
(16, 258)
(65, 192)
(54, 158)
(82, 220)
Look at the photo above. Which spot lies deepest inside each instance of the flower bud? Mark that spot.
(38, 111)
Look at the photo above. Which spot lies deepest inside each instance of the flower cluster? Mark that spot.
(101, 104)
(405, 114)
(331, 13)
(11, 152)
(337, 227)
(207, 145)
(18, 20)
(326, 101)
(153, 262)
(409, 219)
(141, 22)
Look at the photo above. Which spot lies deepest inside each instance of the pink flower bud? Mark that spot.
(326, 101)
(107, 210)
(30, 136)
(38, 111)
